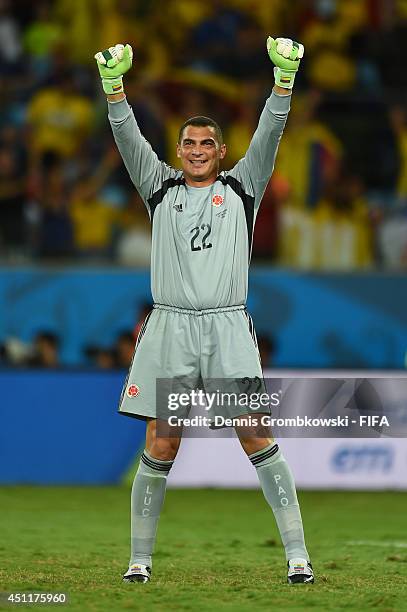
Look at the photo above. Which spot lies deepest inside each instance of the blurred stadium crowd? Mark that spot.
(337, 199)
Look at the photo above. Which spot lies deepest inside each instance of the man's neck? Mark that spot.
(205, 183)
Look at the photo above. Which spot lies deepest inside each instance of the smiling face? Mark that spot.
(200, 153)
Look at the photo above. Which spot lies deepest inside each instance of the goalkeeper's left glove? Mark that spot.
(285, 55)
(113, 63)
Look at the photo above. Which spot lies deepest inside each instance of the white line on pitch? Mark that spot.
(376, 543)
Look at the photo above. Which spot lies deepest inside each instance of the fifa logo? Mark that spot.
(147, 501)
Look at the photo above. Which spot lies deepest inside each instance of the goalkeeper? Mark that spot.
(202, 231)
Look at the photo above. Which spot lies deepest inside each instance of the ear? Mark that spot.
(222, 151)
(178, 150)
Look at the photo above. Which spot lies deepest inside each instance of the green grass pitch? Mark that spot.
(216, 550)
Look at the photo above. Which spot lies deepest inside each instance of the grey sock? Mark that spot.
(147, 498)
(279, 490)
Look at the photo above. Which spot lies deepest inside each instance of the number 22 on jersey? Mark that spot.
(200, 236)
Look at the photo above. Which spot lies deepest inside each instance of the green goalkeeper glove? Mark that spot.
(285, 55)
(113, 63)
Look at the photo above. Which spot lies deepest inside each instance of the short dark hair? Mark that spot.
(201, 121)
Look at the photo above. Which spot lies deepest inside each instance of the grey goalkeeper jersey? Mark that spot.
(201, 236)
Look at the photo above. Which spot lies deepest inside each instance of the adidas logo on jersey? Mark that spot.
(177, 207)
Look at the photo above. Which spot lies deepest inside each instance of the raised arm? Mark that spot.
(254, 170)
(146, 171)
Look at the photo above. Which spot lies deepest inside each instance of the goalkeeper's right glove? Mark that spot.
(113, 63)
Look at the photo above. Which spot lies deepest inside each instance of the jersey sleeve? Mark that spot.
(146, 171)
(254, 170)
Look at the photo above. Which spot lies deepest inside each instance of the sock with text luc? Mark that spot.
(147, 498)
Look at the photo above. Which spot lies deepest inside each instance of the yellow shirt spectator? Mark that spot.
(307, 154)
(343, 237)
(59, 121)
(402, 149)
(326, 238)
(92, 222)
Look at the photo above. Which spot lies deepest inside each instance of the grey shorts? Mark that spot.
(199, 346)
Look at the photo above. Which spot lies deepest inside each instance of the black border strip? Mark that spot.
(159, 195)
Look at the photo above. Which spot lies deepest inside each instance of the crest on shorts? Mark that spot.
(133, 390)
(217, 200)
